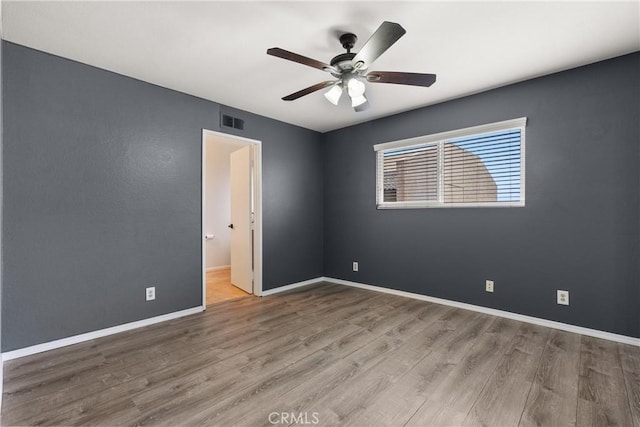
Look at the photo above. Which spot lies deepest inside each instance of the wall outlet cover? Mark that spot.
(563, 297)
(489, 285)
(150, 293)
(355, 265)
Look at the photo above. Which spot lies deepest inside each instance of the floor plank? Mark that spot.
(331, 395)
(455, 395)
(602, 396)
(503, 397)
(630, 359)
(553, 397)
(349, 356)
(396, 405)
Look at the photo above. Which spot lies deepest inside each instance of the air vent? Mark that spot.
(232, 122)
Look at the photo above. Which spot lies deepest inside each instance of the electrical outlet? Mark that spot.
(489, 285)
(151, 293)
(563, 297)
(355, 265)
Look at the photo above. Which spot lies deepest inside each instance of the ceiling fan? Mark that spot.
(350, 69)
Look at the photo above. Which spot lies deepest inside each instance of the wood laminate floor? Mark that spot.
(332, 354)
(219, 287)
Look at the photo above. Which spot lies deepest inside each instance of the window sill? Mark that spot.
(427, 205)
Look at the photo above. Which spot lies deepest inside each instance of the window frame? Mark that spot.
(440, 139)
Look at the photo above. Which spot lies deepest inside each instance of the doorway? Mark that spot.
(231, 223)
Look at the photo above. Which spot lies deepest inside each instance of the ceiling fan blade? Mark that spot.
(385, 36)
(413, 79)
(307, 91)
(285, 54)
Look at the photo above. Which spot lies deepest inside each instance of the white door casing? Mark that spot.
(256, 181)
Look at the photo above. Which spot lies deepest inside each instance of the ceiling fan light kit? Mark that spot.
(350, 68)
(334, 94)
(356, 88)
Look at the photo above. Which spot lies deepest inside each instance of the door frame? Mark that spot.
(256, 151)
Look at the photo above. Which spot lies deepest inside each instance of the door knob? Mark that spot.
(230, 226)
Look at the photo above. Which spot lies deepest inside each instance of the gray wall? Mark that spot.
(102, 178)
(102, 190)
(579, 230)
(292, 199)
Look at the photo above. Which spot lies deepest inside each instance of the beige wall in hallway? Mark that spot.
(217, 215)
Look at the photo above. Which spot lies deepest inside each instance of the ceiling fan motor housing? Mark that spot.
(343, 62)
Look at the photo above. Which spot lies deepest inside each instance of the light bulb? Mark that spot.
(334, 94)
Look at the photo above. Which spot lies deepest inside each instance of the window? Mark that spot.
(478, 166)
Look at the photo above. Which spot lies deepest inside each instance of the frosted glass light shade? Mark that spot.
(358, 100)
(334, 94)
(356, 92)
(356, 88)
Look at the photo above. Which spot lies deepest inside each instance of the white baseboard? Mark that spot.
(221, 267)
(506, 314)
(39, 348)
(291, 286)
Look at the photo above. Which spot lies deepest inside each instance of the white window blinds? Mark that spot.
(479, 166)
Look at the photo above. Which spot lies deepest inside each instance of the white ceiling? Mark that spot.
(216, 50)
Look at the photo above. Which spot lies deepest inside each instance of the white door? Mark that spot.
(241, 241)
